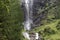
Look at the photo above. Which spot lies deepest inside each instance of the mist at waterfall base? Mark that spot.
(26, 35)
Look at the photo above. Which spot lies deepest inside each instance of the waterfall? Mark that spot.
(28, 8)
(28, 15)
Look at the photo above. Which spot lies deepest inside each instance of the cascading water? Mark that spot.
(28, 16)
(32, 17)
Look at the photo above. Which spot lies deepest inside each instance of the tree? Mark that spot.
(10, 20)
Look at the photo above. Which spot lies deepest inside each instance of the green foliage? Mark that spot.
(50, 28)
(49, 31)
(10, 20)
(58, 26)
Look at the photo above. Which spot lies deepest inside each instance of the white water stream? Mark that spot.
(28, 4)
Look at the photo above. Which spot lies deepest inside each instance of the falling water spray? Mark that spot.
(28, 14)
(28, 17)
